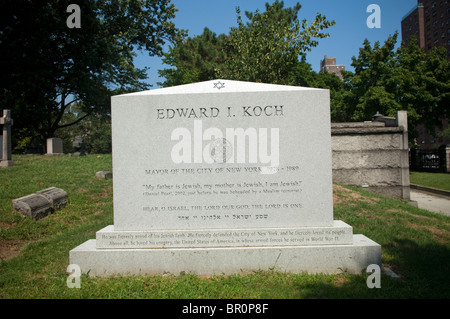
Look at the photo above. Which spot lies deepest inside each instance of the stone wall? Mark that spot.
(373, 155)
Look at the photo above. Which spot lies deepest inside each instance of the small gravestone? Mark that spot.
(34, 205)
(104, 175)
(79, 145)
(56, 196)
(6, 121)
(223, 177)
(41, 203)
(55, 146)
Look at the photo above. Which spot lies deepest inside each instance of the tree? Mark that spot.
(303, 75)
(47, 66)
(424, 85)
(265, 49)
(269, 45)
(371, 84)
(387, 80)
(95, 129)
(194, 59)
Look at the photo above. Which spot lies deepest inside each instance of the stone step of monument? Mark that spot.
(339, 234)
(351, 259)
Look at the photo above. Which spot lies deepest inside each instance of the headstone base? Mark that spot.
(6, 163)
(353, 258)
(339, 233)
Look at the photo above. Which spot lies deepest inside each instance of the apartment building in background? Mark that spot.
(429, 21)
(329, 65)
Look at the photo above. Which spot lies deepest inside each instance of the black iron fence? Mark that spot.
(428, 161)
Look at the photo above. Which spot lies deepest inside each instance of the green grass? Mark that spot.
(415, 244)
(434, 180)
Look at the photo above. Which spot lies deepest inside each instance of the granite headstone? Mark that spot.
(223, 177)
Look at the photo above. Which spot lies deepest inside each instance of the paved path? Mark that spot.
(432, 203)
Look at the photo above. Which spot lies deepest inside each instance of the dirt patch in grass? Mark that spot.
(106, 192)
(417, 216)
(340, 281)
(365, 213)
(440, 235)
(6, 225)
(345, 195)
(10, 248)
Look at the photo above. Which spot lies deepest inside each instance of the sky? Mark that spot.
(346, 36)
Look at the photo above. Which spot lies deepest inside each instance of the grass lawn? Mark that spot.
(35, 254)
(434, 180)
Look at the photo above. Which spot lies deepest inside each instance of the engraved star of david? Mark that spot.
(219, 85)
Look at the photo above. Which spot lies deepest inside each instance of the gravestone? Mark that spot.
(223, 177)
(34, 205)
(41, 203)
(104, 175)
(55, 146)
(57, 197)
(6, 121)
(79, 145)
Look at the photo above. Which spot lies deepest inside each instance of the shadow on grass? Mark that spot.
(424, 272)
(426, 267)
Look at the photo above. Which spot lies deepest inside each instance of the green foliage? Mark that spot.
(303, 75)
(445, 134)
(95, 129)
(264, 49)
(98, 140)
(47, 66)
(268, 46)
(387, 80)
(194, 59)
(22, 144)
(373, 70)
